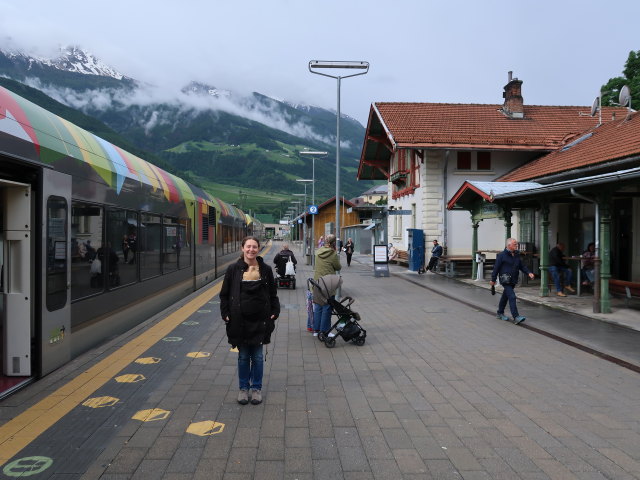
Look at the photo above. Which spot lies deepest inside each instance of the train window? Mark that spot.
(122, 236)
(184, 235)
(87, 274)
(56, 277)
(150, 245)
(172, 244)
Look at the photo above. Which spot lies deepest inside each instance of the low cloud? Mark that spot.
(267, 112)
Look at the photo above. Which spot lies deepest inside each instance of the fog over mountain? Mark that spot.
(190, 125)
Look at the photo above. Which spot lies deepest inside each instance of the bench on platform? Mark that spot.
(453, 263)
(402, 258)
(630, 290)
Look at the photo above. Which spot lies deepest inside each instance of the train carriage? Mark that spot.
(93, 239)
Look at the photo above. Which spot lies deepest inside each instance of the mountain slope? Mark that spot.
(203, 133)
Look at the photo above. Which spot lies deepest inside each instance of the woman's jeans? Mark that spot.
(321, 317)
(555, 274)
(508, 295)
(250, 366)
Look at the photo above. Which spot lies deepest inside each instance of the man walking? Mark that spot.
(506, 269)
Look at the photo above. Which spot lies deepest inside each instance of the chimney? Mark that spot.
(513, 104)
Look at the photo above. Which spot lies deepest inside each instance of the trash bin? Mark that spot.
(481, 258)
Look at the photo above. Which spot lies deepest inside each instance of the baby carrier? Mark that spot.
(346, 325)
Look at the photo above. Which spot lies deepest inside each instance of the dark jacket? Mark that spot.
(349, 247)
(281, 259)
(508, 263)
(436, 251)
(240, 330)
(555, 258)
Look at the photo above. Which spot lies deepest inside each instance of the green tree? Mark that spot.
(611, 89)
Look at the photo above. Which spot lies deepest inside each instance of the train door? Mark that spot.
(15, 281)
(55, 338)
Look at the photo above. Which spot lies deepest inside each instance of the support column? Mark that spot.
(507, 221)
(605, 251)
(544, 250)
(474, 247)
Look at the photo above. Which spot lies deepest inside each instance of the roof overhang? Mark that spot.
(532, 194)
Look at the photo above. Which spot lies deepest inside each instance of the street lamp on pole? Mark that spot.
(303, 210)
(297, 213)
(313, 155)
(342, 65)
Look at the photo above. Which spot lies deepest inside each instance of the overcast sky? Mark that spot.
(419, 50)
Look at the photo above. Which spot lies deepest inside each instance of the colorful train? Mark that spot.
(93, 239)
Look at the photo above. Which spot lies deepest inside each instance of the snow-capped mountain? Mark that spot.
(71, 59)
(185, 126)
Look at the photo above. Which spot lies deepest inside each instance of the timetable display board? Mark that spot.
(380, 254)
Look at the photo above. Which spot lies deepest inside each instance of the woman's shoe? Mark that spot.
(243, 396)
(256, 397)
(519, 319)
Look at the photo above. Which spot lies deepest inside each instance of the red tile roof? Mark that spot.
(615, 140)
(445, 125)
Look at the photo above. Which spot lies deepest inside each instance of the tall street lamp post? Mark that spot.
(313, 155)
(303, 212)
(296, 204)
(308, 241)
(342, 65)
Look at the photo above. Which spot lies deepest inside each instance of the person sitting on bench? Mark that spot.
(436, 253)
(557, 267)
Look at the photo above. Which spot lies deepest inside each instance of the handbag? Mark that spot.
(290, 269)
(505, 279)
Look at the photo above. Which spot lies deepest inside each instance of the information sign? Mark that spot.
(400, 212)
(313, 209)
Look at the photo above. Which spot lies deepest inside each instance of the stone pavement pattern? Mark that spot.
(439, 390)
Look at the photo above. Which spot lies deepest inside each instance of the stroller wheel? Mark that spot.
(359, 341)
(330, 342)
(321, 336)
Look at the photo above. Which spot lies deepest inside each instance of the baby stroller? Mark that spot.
(346, 325)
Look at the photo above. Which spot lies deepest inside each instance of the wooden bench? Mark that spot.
(451, 261)
(630, 290)
(402, 258)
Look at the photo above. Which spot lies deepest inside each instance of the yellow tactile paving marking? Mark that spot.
(16, 434)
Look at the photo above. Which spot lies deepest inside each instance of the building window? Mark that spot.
(484, 161)
(464, 161)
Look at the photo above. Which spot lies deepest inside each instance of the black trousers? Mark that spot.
(433, 263)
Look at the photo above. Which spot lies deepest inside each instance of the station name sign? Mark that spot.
(400, 212)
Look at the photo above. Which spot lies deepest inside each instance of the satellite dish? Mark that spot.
(596, 106)
(625, 96)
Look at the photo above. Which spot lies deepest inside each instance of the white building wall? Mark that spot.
(439, 181)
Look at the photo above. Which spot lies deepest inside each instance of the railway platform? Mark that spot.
(440, 389)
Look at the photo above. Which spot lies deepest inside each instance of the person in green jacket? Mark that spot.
(327, 263)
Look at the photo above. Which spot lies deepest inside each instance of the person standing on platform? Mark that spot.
(327, 263)
(436, 253)
(281, 259)
(249, 306)
(506, 269)
(349, 247)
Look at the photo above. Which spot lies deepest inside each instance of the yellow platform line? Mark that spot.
(16, 434)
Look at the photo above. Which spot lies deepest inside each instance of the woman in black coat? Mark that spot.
(249, 306)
